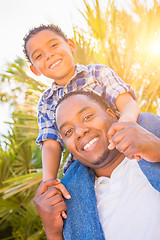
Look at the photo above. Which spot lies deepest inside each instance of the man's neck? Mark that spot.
(107, 170)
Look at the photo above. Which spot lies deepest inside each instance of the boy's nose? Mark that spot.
(49, 55)
(81, 131)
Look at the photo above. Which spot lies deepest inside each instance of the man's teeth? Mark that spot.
(90, 143)
(55, 64)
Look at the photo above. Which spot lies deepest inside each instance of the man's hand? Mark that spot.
(134, 141)
(51, 207)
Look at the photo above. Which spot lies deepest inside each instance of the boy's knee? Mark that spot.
(151, 122)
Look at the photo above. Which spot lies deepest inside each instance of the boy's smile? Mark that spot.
(83, 125)
(51, 55)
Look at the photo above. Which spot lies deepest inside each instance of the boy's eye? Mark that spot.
(88, 117)
(68, 132)
(38, 56)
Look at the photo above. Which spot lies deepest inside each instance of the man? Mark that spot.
(128, 206)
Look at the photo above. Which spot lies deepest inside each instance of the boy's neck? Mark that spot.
(63, 81)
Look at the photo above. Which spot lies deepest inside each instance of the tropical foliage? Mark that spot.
(125, 40)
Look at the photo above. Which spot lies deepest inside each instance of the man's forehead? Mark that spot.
(78, 101)
(74, 106)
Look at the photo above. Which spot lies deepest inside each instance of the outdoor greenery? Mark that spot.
(125, 41)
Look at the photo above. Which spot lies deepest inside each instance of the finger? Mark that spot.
(59, 208)
(111, 146)
(45, 201)
(51, 192)
(130, 153)
(45, 185)
(63, 190)
(57, 201)
(137, 157)
(114, 128)
(117, 139)
(50, 197)
(64, 215)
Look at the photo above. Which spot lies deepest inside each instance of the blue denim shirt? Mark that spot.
(82, 221)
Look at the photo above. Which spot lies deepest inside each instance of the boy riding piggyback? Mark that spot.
(50, 53)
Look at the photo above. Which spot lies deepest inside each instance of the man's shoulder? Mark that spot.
(152, 172)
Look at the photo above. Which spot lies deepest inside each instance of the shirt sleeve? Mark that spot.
(47, 125)
(113, 85)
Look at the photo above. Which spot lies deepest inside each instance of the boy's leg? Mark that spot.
(151, 122)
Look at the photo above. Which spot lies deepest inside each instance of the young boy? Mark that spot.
(50, 53)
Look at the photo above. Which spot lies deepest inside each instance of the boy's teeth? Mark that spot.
(53, 65)
(90, 143)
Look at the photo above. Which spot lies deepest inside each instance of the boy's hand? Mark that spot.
(50, 206)
(131, 139)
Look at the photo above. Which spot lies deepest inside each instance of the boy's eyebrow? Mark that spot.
(82, 110)
(53, 39)
(34, 52)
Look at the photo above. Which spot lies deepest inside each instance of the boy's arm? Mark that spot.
(51, 155)
(128, 108)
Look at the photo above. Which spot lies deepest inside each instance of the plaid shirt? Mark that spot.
(98, 78)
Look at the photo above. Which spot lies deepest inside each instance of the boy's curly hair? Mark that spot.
(36, 30)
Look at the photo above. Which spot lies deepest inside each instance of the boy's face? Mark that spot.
(83, 125)
(51, 56)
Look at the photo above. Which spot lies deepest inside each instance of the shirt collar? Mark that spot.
(98, 180)
(55, 87)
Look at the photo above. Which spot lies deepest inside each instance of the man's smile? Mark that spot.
(90, 145)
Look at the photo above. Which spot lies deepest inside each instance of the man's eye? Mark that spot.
(87, 117)
(53, 45)
(68, 132)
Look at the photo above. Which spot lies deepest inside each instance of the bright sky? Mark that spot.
(18, 16)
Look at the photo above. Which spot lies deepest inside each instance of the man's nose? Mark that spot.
(81, 131)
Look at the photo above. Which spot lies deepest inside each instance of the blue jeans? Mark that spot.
(151, 122)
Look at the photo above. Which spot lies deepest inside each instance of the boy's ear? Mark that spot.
(72, 45)
(34, 70)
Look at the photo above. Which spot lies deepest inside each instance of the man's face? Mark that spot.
(83, 125)
(51, 56)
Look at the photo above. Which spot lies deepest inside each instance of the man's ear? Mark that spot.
(72, 45)
(111, 113)
(34, 70)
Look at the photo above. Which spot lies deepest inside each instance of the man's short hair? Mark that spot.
(90, 94)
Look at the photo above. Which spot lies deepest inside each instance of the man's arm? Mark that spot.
(50, 205)
(51, 155)
(134, 141)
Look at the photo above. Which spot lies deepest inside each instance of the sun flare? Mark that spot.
(155, 48)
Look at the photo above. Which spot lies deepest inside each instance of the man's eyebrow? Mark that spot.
(82, 110)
